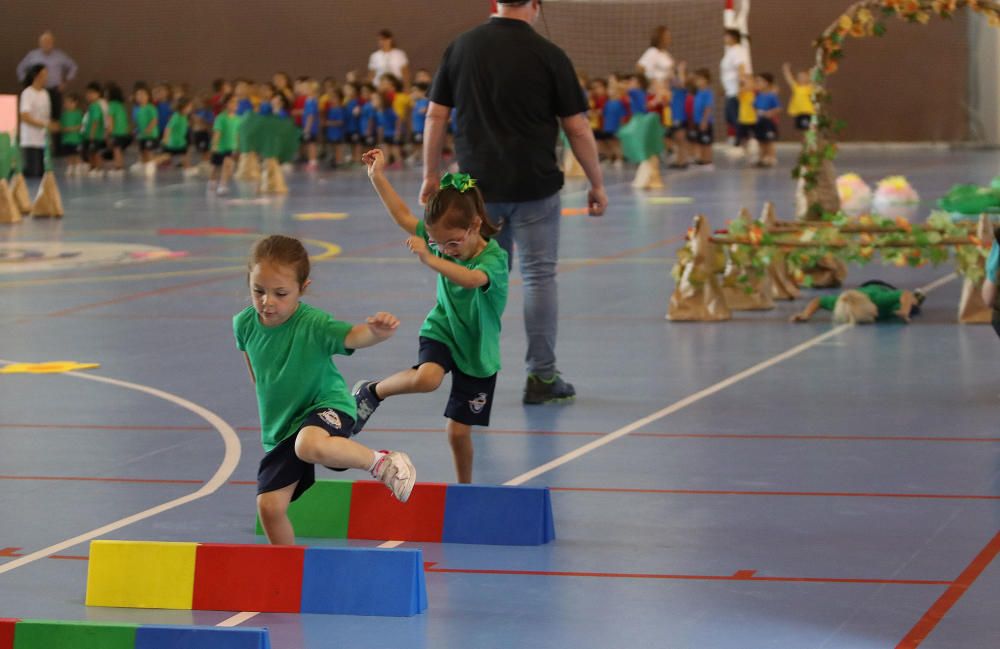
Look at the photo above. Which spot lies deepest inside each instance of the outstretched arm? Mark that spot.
(787, 69)
(807, 312)
(435, 131)
(377, 328)
(464, 277)
(397, 208)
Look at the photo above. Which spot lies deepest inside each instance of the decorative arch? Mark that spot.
(817, 194)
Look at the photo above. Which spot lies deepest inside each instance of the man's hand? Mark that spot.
(597, 201)
(428, 188)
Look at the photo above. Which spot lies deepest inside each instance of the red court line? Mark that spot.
(61, 478)
(138, 296)
(817, 494)
(929, 621)
(560, 433)
(741, 575)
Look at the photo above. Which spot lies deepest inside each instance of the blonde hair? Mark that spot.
(854, 307)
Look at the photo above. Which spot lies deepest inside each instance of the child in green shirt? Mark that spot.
(225, 133)
(306, 411)
(147, 130)
(873, 301)
(175, 137)
(71, 127)
(93, 128)
(118, 118)
(461, 334)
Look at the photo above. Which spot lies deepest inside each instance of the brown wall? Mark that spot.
(909, 85)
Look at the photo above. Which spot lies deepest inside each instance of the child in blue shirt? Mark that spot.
(768, 108)
(637, 86)
(367, 121)
(616, 114)
(678, 112)
(387, 122)
(310, 123)
(418, 118)
(702, 133)
(335, 125)
(352, 111)
(266, 94)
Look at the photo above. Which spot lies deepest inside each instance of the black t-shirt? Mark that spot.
(509, 86)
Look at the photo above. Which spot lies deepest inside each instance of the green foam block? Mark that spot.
(47, 634)
(322, 512)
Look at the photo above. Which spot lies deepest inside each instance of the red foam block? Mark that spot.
(265, 578)
(7, 632)
(376, 514)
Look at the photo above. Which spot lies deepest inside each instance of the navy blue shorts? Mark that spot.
(281, 466)
(767, 130)
(471, 398)
(219, 157)
(417, 138)
(148, 145)
(202, 140)
(802, 122)
(121, 141)
(71, 149)
(745, 132)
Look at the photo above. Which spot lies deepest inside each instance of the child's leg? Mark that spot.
(311, 152)
(425, 378)
(272, 507)
(227, 170)
(460, 438)
(119, 158)
(317, 446)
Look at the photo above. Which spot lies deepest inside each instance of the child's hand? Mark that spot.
(382, 324)
(375, 160)
(418, 247)
(799, 317)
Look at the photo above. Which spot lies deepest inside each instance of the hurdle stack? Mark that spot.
(53, 634)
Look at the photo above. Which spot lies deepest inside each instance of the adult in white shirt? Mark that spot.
(36, 119)
(734, 61)
(656, 63)
(389, 59)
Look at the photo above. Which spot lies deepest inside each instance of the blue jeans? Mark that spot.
(533, 226)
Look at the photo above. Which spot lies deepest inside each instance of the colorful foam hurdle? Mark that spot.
(47, 634)
(264, 578)
(436, 513)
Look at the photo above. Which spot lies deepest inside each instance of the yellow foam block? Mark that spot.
(669, 200)
(321, 216)
(141, 574)
(51, 367)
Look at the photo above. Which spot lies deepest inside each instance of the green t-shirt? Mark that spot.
(119, 118)
(145, 116)
(293, 369)
(885, 299)
(176, 133)
(71, 126)
(94, 129)
(467, 320)
(226, 126)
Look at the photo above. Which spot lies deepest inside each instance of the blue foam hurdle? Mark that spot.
(364, 581)
(493, 515)
(201, 637)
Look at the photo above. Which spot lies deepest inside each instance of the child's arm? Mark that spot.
(706, 119)
(150, 127)
(400, 213)
(464, 277)
(807, 312)
(906, 303)
(377, 328)
(250, 368)
(789, 79)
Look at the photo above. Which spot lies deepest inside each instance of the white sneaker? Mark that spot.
(222, 190)
(190, 172)
(116, 173)
(395, 471)
(137, 168)
(96, 173)
(150, 169)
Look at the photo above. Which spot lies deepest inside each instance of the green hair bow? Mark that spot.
(461, 182)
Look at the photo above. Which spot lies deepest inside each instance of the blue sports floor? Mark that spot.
(779, 486)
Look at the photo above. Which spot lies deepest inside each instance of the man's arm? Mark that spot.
(435, 129)
(581, 140)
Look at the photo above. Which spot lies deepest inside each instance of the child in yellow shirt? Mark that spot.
(800, 106)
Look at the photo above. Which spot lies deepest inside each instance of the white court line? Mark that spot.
(660, 414)
(222, 474)
(697, 396)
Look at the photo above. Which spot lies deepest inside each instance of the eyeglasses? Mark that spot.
(454, 244)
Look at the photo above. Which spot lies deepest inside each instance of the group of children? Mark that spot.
(165, 122)
(308, 416)
(686, 104)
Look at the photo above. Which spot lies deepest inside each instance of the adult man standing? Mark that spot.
(512, 89)
(61, 69)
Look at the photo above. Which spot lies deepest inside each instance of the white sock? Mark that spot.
(378, 456)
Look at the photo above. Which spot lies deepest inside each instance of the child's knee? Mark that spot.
(306, 446)
(429, 377)
(271, 507)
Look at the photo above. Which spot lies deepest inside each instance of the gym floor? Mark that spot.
(751, 484)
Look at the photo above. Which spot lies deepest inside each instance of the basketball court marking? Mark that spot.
(227, 466)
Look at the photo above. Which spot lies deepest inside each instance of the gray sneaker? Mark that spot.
(367, 403)
(538, 390)
(395, 471)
